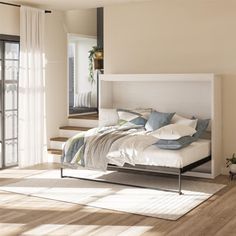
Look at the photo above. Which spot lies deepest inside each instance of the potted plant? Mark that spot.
(231, 163)
(94, 53)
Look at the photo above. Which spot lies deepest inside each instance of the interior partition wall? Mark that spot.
(9, 81)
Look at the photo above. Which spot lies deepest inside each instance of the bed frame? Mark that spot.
(166, 170)
(186, 94)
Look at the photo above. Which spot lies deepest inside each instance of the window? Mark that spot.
(9, 78)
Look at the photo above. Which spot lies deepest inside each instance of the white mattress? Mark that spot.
(175, 158)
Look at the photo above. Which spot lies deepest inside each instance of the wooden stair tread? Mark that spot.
(59, 139)
(85, 117)
(75, 128)
(55, 151)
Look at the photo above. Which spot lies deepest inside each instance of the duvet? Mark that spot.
(97, 147)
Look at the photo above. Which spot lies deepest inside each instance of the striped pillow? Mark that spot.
(83, 100)
(133, 117)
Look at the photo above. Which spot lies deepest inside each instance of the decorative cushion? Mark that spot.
(83, 99)
(175, 144)
(158, 120)
(177, 119)
(201, 127)
(108, 117)
(173, 132)
(133, 117)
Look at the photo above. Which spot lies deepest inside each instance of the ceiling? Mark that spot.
(65, 5)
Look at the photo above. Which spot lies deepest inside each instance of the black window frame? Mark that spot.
(4, 39)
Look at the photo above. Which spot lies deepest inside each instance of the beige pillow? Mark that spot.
(173, 132)
(108, 117)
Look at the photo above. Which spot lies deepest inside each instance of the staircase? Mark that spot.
(76, 124)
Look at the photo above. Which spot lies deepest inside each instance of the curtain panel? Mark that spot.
(32, 129)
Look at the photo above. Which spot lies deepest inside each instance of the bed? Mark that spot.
(134, 146)
(170, 92)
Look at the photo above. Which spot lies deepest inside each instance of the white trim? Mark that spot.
(158, 77)
(81, 36)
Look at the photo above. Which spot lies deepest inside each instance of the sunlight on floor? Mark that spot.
(11, 228)
(38, 204)
(16, 173)
(84, 229)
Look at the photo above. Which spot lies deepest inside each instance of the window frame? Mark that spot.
(7, 39)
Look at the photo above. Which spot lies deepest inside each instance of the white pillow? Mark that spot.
(173, 132)
(177, 119)
(108, 117)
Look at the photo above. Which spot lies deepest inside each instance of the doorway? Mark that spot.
(82, 92)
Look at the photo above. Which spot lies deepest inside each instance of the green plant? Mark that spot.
(230, 161)
(91, 57)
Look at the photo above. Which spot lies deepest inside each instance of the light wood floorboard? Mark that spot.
(26, 215)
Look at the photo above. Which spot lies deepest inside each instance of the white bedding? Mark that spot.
(152, 155)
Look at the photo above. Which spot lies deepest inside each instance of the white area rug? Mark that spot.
(155, 203)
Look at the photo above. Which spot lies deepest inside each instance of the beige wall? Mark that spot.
(180, 36)
(58, 25)
(82, 22)
(10, 20)
(55, 72)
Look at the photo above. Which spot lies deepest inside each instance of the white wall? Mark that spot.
(181, 36)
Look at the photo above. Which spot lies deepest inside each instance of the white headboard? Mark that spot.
(185, 94)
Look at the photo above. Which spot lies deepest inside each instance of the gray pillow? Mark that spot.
(158, 120)
(201, 127)
(175, 144)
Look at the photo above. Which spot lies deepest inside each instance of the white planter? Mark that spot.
(232, 168)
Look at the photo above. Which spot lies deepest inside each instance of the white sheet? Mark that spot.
(152, 155)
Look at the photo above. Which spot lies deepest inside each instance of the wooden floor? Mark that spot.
(25, 215)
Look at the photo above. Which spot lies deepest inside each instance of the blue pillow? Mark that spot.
(201, 127)
(158, 120)
(175, 144)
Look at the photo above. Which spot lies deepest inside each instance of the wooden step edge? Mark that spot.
(84, 117)
(59, 139)
(55, 151)
(76, 128)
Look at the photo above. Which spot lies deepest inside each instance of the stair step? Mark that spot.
(55, 151)
(59, 139)
(70, 131)
(83, 122)
(58, 142)
(85, 117)
(75, 128)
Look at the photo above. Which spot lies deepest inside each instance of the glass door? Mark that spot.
(9, 102)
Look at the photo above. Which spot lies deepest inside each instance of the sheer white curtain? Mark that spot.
(32, 135)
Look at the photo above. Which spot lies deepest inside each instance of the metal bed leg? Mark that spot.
(180, 182)
(62, 176)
